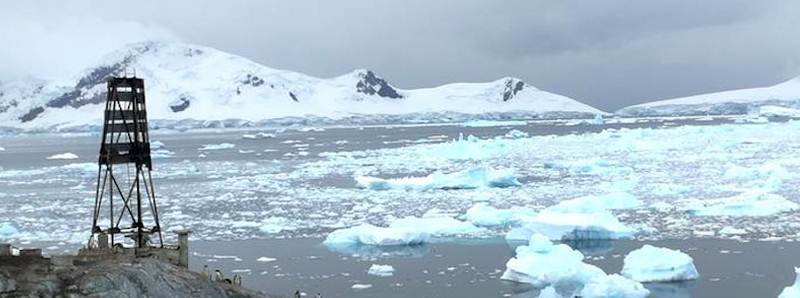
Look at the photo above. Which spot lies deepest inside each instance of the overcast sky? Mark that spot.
(606, 53)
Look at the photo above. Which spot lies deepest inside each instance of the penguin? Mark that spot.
(218, 275)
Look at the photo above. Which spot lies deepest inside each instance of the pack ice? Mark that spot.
(403, 231)
(658, 264)
(477, 177)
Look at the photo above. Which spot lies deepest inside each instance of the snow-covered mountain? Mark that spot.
(186, 81)
(786, 94)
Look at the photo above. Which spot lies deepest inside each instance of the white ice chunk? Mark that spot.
(220, 146)
(266, 259)
(613, 286)
(361, 286)
(7, 230)
(371, 235)
(482, 214)
(542, 263)
(792, 291)
(516, 134)
(749, 203)
(381, 270)
(63, 156)
(658, 264)
(573, 226)
(478, 177)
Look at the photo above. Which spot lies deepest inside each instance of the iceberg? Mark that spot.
(573, 226)
(658, 264)
(484, 215)
(613, 286)
(792, 291)
(371, 235)
(749, 203)
(381, 270)
(7, 230)
(63, 156)
(516, 134)
(478, 177)
(542, 263)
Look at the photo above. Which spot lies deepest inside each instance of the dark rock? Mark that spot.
(371, 84)
(512, 88)
(32, 114)
(294, 97)
(180, 105)
(253, 80)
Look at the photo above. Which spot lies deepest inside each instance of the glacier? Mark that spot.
(785, 95)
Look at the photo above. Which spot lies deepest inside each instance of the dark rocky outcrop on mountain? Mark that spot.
(371, 84)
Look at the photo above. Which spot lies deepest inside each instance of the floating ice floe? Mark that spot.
(612, 286)
(266, 259)
(749, 203)
(371, 235)
(478, 177)
(381, 270)
(482, 214)
(220, 146)
(542, 263)
(361, 286)
(2, 149)
(658, 264)
(260, 135)
(516, 134)
(63, 156)
(586, 217)
(572, 226)
(7, 230)
(792, 291)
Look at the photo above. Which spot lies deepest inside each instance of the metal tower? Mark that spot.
(124, 183)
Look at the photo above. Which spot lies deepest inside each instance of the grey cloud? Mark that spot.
(608, 53)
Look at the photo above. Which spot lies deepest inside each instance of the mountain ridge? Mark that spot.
(729, 102)
(185, 81)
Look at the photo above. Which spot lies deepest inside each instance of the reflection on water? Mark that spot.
(670, 290)
(379, 252)
(591, 247)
